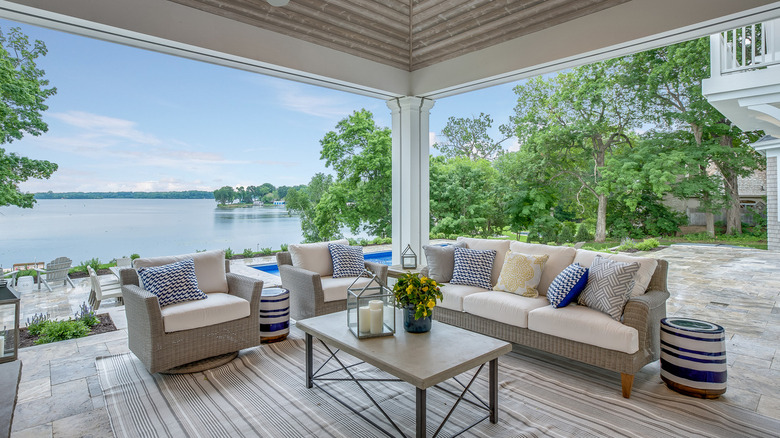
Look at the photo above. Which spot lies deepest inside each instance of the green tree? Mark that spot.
(573, 121)
(23, 91)
(360, 197)
(668, 81)
(303, 200)
(225, 195)
(468, 137)
(464, 198)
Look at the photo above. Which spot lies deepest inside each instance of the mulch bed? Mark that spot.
(106, 325)
(85, 274)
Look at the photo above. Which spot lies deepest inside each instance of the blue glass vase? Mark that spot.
(414, 325)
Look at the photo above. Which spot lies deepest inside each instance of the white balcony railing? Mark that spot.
(747, 48)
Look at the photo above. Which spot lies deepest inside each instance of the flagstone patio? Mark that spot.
(739, 288)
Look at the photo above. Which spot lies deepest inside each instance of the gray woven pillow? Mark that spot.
(441, 261)
(609, 284)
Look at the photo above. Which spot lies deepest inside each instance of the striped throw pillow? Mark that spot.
(609, 285)
(568, 285)
(473, 267)
(172, 283)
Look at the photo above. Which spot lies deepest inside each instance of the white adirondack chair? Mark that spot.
(56, 270)
(101, 291)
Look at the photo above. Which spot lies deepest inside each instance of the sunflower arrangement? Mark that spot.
(420, 292)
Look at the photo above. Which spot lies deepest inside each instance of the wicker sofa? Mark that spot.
(181, 333)
(575, 332)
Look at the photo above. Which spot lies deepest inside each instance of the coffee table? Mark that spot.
(421, 359)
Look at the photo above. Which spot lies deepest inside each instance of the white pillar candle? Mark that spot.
(364, 319)
(376, 320)
(375, 304)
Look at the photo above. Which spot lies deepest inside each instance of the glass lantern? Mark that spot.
(408, 258)
(370, 308)
(9, 324)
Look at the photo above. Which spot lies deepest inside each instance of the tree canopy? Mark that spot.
(468, 137)
(23, 91)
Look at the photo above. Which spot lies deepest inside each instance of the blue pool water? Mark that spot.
(384, 257)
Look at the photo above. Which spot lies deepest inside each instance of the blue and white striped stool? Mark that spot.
(274, 314)
(693, 357)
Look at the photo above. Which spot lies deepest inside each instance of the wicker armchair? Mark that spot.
(159, 350)
(313, 294)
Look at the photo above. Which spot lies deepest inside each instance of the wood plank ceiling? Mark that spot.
(406, 34)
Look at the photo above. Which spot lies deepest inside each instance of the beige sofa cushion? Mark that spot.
(503, 307)
(560, 258)
(209, 268)
(454, 293)
(643, 276)
(582, 324)
(335, 289)
(215, 309)
(314, 257)
(500, 246)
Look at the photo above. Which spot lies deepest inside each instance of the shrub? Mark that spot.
(285, 247)
(36, 323)
(544, 229)
(55, 331)
(626, 243)
(352, 241)
(583, 235)
(567, 233)
(266, 251)
(647, 244)
(452, 236)
(248, 253)
(229, 253)
(376, 241)
(134, 256)
(387, 240)
(86, 315)
(363, 242)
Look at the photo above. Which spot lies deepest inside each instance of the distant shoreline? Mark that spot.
(186, 194)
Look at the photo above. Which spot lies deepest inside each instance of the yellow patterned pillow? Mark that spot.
(521, 273)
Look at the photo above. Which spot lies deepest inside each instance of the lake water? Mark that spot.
(108, 228)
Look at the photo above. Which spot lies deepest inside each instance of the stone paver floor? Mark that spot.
(60, 394)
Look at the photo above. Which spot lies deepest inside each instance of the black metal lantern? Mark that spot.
(9, 333)
(408, 258)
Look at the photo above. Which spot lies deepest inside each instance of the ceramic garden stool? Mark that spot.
(693, 357)
(274, 314)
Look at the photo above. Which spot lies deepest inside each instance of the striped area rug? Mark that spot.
(262, 393)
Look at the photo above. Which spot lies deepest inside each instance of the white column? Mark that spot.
(411, 196)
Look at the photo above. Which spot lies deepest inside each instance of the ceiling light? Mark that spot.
(278, 3)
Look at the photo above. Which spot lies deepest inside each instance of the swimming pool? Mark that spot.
(384, 257)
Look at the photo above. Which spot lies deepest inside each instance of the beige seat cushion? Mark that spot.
(500, 246)
(643, 276)
(209, 268)
(215, 309)
(454, 293)
(335, 289)
(503, 307)
(582, 324)
(314, 257)
(560, 258)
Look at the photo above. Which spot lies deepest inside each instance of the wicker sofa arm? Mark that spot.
(644, 313)
(144, 318)
(128, 277)
(247, 288)
(379, 269)
(306, 295)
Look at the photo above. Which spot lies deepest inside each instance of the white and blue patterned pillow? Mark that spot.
(568, 285)
(473, 267)
(609, 286)
(172, 283)
(348, 261)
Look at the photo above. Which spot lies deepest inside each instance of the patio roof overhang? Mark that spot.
(394, 48)
(408, 52)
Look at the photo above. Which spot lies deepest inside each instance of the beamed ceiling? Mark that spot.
(404, 34)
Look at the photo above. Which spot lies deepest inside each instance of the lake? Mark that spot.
(109, 228)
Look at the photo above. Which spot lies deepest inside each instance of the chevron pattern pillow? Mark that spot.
(473, 267)
(609, 283)
(172, 283)
(348, 261)
(567, 285)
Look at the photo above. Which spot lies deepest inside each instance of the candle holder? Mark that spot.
(408, 258)
(370, 308)
(9, 324)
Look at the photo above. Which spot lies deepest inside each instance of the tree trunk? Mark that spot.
(710, 218)
(733, 216)
(601, 219)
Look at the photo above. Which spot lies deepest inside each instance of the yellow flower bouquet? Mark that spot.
(419, 292)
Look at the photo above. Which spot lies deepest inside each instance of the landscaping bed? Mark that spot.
(105, 325)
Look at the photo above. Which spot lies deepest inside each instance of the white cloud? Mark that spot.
(296, 97)
(98, 125)
(514, 145)
(431, 138)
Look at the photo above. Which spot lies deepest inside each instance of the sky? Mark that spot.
(128, 119)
